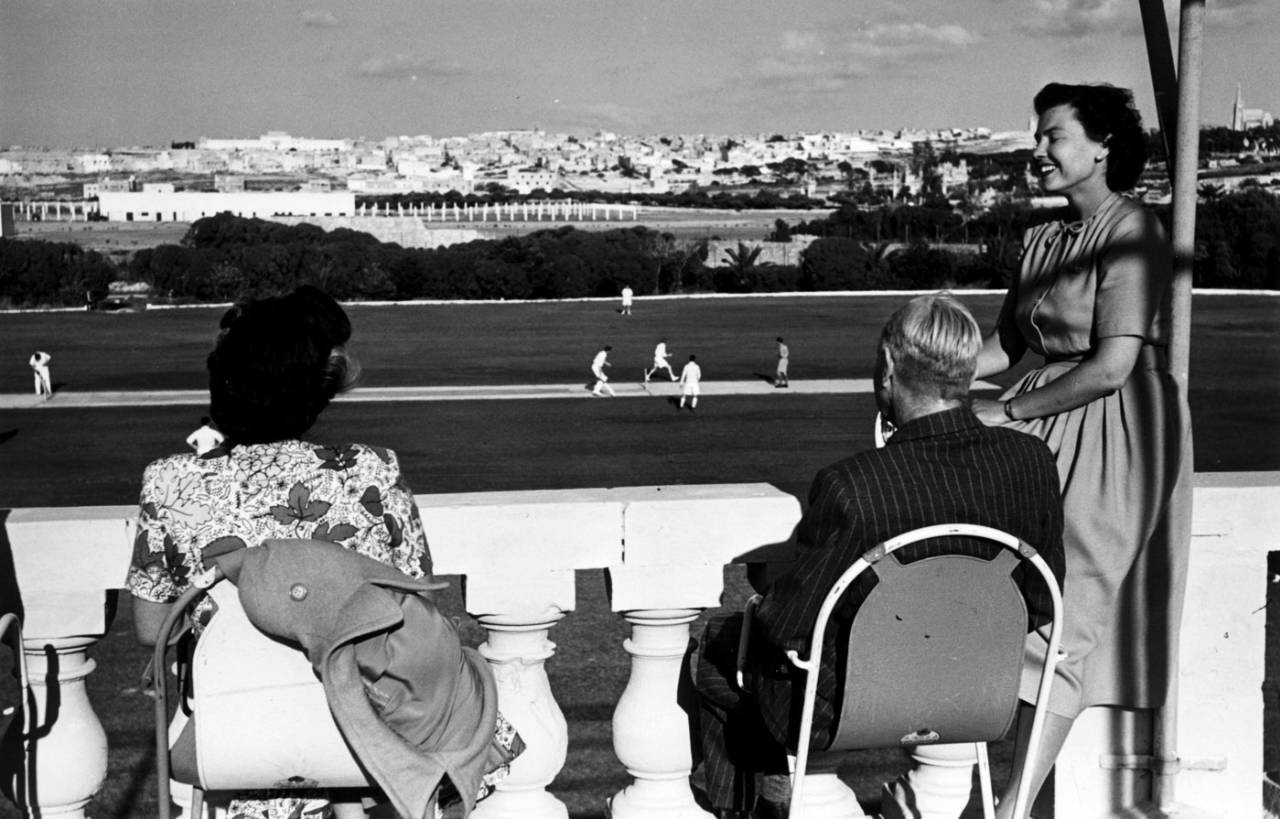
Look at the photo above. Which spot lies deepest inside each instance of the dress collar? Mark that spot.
(1073, 229)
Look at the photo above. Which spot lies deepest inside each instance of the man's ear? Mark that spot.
(886, 362)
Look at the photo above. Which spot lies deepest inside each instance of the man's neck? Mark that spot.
(908, 409)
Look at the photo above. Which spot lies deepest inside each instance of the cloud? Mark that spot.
(1236, 13)
(1074, 18)
(898, 42)
(817, 62)
(319, 18)
(401, 65)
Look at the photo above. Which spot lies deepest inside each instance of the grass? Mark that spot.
(65, 457)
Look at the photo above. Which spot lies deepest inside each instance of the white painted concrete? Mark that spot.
(664, 548)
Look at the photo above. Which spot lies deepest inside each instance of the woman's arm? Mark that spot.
(152, 581)
(1100, 374)
(1000, 351)
(147, 619)
(1005, 346)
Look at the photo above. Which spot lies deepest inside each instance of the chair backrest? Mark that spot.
(259, 716)
(262, 719)
(934, 652)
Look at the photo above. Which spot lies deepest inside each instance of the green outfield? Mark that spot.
(66, 457)
(488, 445)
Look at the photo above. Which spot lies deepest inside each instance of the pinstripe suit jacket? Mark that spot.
(942, 468)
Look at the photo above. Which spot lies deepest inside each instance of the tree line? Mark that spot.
(224, 258)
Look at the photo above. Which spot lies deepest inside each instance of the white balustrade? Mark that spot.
(519, 551)
(518, 650)
(650, 730)
(936, 787)
(66, 742)
(65, 561)
(677, 541)
(664, 549)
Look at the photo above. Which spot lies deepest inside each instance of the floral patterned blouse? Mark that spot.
(353, 495)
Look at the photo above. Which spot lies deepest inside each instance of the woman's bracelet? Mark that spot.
(1008, 410)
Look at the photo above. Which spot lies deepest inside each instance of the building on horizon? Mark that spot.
(279, 141)
(188, 206)
(1243, 119)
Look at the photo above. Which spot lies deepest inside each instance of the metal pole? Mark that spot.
(1164, 78)
(1185, 180)
(1183, 164)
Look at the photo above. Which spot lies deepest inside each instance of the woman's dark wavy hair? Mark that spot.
(277, 363)
(1108, 115)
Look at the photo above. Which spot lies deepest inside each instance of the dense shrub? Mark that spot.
(224, 257)
(50, 273)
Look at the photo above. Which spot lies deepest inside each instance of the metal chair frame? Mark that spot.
(809, 665)
(11, 627)
(349, 773)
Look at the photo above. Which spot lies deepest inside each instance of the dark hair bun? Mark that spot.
(324, 315)
(272, 371)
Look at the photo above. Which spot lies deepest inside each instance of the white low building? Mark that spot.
(188, 206)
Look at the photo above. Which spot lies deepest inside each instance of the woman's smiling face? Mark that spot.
(1067, 159)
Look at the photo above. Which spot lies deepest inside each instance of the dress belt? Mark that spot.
(1151, 357)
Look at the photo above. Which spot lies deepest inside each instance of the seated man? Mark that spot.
(941, 465)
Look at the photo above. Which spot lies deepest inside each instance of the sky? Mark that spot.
(116, 73)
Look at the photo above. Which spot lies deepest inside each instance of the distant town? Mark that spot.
(338, 176)
(531, 214)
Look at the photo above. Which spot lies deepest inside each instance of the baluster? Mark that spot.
(517, 651)
(650, 730)
(937, 786)
(826, 796)
(65, 746)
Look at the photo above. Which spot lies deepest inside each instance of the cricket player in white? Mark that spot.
(690, 379)
(660, 361)
(39, 362)
(597, 368)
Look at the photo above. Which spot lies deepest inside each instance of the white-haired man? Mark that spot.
(941, 465)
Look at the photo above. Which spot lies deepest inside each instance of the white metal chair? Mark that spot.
(262, 722)
(17, 716)
(934, 653)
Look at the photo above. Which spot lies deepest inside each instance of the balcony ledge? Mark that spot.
(664, 549)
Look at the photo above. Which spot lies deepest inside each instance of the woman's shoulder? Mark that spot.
(172, 465)
(348, 455)
(1129, 215)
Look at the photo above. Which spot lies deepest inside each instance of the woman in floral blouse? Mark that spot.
(276, 365)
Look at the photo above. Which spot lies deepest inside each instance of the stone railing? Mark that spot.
(664, 549)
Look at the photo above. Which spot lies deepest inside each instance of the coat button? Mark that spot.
(298, 591)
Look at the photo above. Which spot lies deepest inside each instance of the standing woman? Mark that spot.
(1092, 299)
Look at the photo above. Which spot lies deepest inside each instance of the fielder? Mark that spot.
(660, 361)
(690, 381)
(597, 368)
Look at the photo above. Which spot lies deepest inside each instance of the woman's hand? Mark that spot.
(148, 617)
(989, 412)
(1102, 373)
